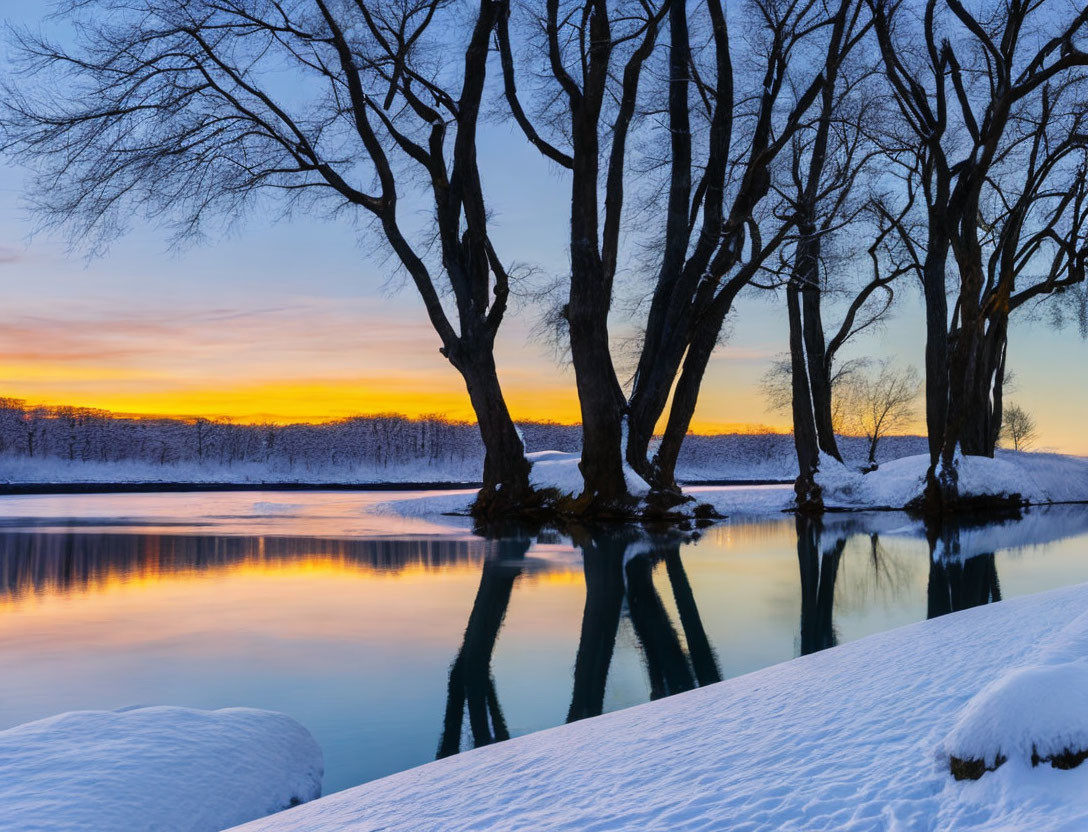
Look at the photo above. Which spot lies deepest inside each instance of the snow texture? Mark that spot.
(846, 739)
(160, 768)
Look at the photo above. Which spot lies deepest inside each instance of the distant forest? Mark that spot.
(48, 442)
(79, 434)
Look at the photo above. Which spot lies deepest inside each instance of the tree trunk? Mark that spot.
(704, 339)
(600, 397)
(936, 342)
(804, 424)
(685, 397)
(506, 488)
(657, 372)
(819, 371)
(941, 488)
(982, 416)
(602, 403)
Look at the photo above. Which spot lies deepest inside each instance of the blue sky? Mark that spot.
(305, 318)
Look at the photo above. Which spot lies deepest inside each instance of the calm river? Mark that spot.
(397, 640)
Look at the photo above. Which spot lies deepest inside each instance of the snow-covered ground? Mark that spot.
(1037, 477)
(160, 768)
(852, 738)
(761, 456)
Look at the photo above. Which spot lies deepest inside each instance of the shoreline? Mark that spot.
(58, 488)
(729, 754)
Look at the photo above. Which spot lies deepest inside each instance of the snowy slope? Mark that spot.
(159, 768)
(847, 739)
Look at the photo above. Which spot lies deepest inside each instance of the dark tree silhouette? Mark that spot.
(956, 585)
(471, 684)
(595, 52)
(666, 663)
(957, 582)
(819, 569)
(178, 111)
(669, 668)
(994, 108)
(719, 227)
(602, 559)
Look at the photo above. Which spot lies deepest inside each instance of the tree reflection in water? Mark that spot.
(958, 580)
(819, 563)
(618, 566)
(471, 684)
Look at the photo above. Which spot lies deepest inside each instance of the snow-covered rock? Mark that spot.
(1032, 713)
(1036, 712)
(160, 768)
(843, 739)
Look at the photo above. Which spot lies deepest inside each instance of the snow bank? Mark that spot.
(844, 739)
(451, 469)
(427, 504)
(1037, 478)
(160, 768)
(738, 500)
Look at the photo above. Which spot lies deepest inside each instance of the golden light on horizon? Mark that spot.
(291, 401)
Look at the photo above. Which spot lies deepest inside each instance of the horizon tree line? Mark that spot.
(776, 135)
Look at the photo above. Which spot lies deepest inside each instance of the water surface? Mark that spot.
(396, 640)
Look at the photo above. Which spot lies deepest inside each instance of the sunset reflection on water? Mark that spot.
(278, 601)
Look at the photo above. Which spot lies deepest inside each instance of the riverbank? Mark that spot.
(849, 738)
(1011, 478)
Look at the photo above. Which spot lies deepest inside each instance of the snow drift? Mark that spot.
(160, 768)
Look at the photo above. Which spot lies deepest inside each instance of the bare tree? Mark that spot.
(1018, 427)
(878, 403)
(720, 223)
(726, 217)
(995, 104)
(592, 53)
(180, 112)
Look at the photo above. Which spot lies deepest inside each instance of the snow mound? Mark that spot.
(160, 768)
(1037, 478)
(427, 504)
(559, 470)
(1030, 713)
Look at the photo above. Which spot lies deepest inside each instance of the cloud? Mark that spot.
(315, 334)
(9, 255)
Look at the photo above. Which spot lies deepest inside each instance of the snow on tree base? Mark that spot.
(1037, 713)
(162, 768)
